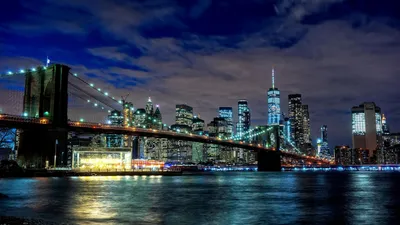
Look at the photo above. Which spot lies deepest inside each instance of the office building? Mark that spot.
(366, 127)
(306, 124)
(218, 128)
(149, 107)
(385, 126)
(227, 114)
(115, 118)
(286, 131)
(128, 114)
(274, 109)
(243, 118)
(325, 151)
(343, 155)
(198, 125)
(296, 119)
(184, 115)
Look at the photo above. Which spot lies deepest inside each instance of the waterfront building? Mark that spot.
(227, 114)
(243, 124)
(274, 109)
(343, 155)
(390, 153)
(296, 119)
(366, 126)
(346, 156)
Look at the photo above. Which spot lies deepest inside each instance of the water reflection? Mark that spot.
(219, 198)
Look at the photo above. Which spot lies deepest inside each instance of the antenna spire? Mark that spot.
(273, 77)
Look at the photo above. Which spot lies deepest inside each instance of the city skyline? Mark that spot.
(199, 70)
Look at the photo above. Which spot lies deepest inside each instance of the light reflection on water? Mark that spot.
(220, 198)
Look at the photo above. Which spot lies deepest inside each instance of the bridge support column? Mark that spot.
(46, 95)
(269, 161)
(136, 147)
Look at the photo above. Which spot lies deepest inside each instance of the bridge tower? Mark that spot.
(271, 160)
(46, 95)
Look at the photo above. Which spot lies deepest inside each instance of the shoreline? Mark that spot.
(80, 174)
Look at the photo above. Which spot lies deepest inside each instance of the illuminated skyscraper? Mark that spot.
(183, 117)
(117, 119)
(325, 151)
(385, 126)
(306, 124)
(274, 101)
(198, 125)
(296, 119)
(243, 124)
(149, 107)
(227, 114)
(128, 114)
(366, 126)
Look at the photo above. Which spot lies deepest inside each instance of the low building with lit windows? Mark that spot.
(89, 158)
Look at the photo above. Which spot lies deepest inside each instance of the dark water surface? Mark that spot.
(220, 198)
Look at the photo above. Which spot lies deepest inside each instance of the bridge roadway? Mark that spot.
(40, 123)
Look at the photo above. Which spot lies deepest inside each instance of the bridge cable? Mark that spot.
(98, 90)
(75, 86)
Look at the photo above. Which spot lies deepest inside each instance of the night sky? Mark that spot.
(336, 53)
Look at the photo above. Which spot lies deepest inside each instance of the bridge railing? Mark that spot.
(144, 130)
(23, 119)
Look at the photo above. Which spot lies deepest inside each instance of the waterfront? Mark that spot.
(211, 198)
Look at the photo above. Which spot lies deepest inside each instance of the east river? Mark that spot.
(214, 198)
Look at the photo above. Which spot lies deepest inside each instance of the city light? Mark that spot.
(33, 69)
(81, 120)
(10, 73)
(22, 71)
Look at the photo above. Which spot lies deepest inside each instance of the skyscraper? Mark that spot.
(198, 125)
(184, 116)
(243, 124)
(306, 124)
(296, 119)
(115, 140)
(366, 126)
(274, 101)
(149, 107)
(324, 141)
(385, 126)
(227, 114)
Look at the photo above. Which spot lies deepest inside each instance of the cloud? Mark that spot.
(332, 63)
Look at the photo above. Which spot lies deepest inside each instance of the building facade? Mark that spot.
(184, 116)
(296, 119)
(306, 124)
(243, 124)
(325, 151)
(366, 126)
(274, 102)
(227, 114)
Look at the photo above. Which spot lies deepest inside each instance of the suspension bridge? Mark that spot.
(45, 122)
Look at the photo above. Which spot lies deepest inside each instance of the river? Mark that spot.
(214, 198)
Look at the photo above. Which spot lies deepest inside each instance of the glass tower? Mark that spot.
(227, 114)
(243, 124)
(274, 109)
